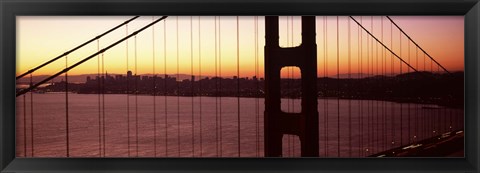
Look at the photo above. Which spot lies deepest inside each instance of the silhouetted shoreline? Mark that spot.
(416, 87)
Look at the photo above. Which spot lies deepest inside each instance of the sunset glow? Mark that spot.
(41, 38)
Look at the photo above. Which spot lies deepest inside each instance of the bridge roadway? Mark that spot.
(450, 144)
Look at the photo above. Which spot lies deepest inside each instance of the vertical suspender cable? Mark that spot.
(438, 117)
(450, 119)
(99, 106)
(192, 83)
(325, 55)
(371, 115)
(374, 116)
(377, 148)
(431, 112)
(31, 117)
(359, 51)
(128, 94)
(66, 109)
(238, 87)
(367, 90)
(444, 109)
(372, 71)
(165, 84)
(408, 105)
(401, 104)
(375, 123)
(385, 66)
(445, 119)
(25, 126)
(415, 136)
(424, 63)
(257, 98)
(136, 97)
(178, 89)
(393, 83)
(338, 91)
(362, 90)
(216, 90)
(154, 93)
(439, 110)
(103, 105)
(384, 71)
(350, 89)
(220, 82)
(200, 82)
(373, 97)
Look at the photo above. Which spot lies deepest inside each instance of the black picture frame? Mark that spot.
(11, 8)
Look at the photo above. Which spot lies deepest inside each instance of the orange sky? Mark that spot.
(40, 38)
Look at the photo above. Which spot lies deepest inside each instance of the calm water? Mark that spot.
(373, 126)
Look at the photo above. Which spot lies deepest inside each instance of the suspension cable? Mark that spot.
(86, 59)
(401, 30)
(383, 44)
(74, 49)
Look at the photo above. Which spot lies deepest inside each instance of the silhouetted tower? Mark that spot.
(278, 123)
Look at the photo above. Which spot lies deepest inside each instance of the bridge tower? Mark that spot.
(278, 123)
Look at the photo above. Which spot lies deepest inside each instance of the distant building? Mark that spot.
(118, 77)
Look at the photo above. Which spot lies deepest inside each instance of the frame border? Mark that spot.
(9, 9)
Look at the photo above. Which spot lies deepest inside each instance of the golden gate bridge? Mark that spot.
(306, 133)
